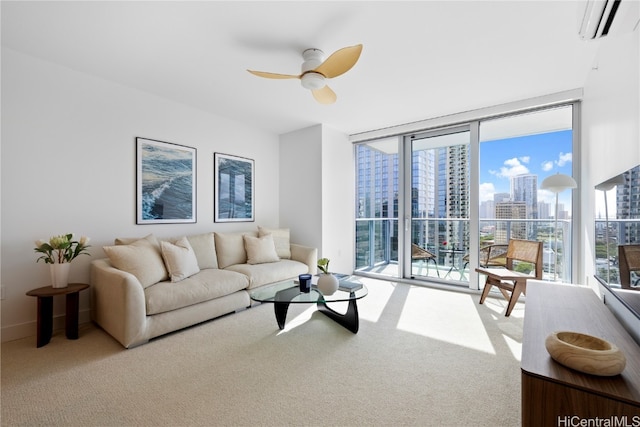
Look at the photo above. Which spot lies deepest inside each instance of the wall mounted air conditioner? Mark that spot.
(598, 18)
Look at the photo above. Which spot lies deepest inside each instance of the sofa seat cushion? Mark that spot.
(206, 285)
(263, 274)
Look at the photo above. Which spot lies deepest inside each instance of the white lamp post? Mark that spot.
(605, 187)
(557, 183)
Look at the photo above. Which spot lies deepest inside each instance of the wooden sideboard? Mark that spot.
(554, 395)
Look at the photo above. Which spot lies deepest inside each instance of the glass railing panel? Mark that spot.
(377, 246)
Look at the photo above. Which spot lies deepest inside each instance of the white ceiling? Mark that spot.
(420, 59)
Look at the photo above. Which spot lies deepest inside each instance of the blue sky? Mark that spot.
(542, 154)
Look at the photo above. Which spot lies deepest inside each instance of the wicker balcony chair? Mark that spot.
(629, 260)
(421, 254)
(510, 282)
(490, 256)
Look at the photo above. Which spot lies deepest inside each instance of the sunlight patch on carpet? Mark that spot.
(515, 347)
(295, 321)
(373, 305)
(447, 316)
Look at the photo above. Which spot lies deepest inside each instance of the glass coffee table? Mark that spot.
(288, 292)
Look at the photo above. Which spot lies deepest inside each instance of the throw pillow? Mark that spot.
(280, 238)
(260, 250)
(180, 259)
(204, 247)
(140, 258)
(230, 248)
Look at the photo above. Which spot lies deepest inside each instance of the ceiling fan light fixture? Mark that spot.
(316, 70)
(312, 81)
(312, 59)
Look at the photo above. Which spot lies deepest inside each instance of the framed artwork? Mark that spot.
(233, 188)
(165, 182)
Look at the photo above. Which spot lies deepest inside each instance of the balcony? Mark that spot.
(377, 246)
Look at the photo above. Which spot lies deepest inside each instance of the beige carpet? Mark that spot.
(422, 357)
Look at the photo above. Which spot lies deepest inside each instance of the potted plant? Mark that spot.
(58, 252)
(327, 282)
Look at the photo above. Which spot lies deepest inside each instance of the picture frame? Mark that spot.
(233, 188)
(165, 182)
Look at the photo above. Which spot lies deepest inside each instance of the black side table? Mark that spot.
(45, 310)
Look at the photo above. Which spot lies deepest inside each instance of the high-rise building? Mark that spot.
(487, 209)
(439, 189)
(544, 210)
(524, 188)
(628, 206)
(501, 197)
(456, 190)
(506, 230)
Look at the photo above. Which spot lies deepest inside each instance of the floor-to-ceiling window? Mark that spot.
(517, 153)
(377, 192)
(426, 203)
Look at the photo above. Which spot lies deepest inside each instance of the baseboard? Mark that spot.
(28, 329)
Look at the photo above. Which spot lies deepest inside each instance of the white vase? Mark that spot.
(59, 274)
(327, 284)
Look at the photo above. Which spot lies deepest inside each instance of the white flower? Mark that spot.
(39, 243)
(84, 240)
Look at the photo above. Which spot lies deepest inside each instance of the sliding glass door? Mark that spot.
(439, 204)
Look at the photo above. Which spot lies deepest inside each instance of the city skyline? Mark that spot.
(541, 154)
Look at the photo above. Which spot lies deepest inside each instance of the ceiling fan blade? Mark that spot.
(273, 75)
(324, 95)
(340, 61)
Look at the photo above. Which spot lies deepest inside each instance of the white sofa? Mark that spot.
(149, 287)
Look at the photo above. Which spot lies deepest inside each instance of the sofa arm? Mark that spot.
(305, 255)
(118, 303)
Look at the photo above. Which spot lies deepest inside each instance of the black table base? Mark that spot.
(349, 320)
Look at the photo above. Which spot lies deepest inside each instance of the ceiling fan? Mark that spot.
(315, 71)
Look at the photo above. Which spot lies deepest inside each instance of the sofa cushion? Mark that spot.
(140, 258)
(179, 258)
(260, 250)
(230, 248)
(281, 238)
(262, 274)
(204, 247)
(206, 285)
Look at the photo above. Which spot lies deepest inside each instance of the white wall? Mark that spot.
(338, 195)
(317, 192)
(301, 185)
(68, 165)
(610, 129)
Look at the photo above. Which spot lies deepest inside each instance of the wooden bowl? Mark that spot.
(585, 353)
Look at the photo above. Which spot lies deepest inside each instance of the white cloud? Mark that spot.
(487, 190)
(564, 158)
(547, 166)
(525, 159)
(512, 168)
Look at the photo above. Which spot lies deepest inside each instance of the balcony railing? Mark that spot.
(448, 239)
